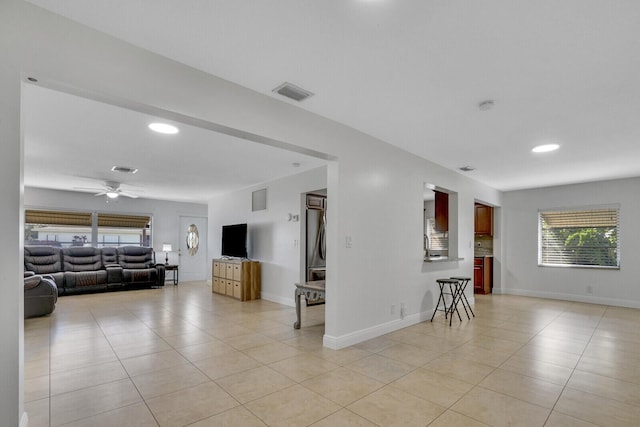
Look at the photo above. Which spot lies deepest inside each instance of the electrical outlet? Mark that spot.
(393, 309)
(589, 290)
(402, 310)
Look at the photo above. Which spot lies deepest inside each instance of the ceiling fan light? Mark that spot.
(112, 194)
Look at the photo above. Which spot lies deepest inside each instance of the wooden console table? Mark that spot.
(311, 291)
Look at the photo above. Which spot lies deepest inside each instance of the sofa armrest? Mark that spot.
(30, 282)
(40, 285)
(40, 296)
(161, 273)
(114, 273)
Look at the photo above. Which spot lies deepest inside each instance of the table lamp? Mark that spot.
(166, 247)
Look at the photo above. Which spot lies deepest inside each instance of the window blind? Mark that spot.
(584, 237)
(33, 216)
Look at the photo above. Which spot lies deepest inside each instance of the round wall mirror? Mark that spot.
(193, 239)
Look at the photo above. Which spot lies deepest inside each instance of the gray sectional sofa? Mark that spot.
(86, 269)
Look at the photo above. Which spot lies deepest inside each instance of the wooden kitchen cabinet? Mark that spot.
(441, 211)
(239, 279)
(483, 220)
(482, 275)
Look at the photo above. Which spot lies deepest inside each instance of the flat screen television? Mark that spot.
(234, 240)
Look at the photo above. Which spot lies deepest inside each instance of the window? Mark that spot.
(67, 228)
(437, 241)
(123, 230)
(586, 237)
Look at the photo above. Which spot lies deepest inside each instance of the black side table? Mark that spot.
(174, 268)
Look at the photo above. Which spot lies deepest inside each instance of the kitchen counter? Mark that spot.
(442, 259)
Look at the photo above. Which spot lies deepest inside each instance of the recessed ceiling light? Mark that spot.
(295, 164)
(545, 148)
(163, 128)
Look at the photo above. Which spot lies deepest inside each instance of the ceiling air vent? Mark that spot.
(123, 169)
(466, 168)
(292, 92)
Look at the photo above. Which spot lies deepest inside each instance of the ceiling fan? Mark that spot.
(111, 189)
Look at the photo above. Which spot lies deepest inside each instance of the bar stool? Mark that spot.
(454, 286)
(464, 281)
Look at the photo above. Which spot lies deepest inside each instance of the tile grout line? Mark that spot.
(573, 370)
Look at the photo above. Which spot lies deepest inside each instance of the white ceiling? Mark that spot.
(72, 143)
(412, 73)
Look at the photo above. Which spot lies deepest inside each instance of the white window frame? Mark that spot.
(586, 218)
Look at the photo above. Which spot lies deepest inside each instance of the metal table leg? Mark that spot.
(296, 297)
(444, 303)
(454, 300)
(464, 281)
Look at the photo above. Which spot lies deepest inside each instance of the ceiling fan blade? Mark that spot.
(102, 193)
(88, 188)
(125, 194)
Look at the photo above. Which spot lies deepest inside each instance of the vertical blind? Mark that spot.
(585, 237)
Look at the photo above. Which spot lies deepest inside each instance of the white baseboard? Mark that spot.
(336, 343)
(590, 299)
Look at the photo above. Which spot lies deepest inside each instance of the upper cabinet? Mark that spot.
(483, 220)
(441, 211)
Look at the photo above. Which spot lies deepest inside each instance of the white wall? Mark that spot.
(271, 237)
(11, 253)
(375, 189)
(524, 277)
(165, 214)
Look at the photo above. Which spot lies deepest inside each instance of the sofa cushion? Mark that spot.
(45, 260)
(42, 259)
(82, 259)
(85, 279)
(135, 257)
(109, 256)
(140, 275)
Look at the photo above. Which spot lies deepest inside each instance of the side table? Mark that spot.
(174, 269)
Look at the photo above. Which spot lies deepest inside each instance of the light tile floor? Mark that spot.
(182, 356)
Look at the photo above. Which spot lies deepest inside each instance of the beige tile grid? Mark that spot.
(182, 356)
